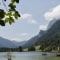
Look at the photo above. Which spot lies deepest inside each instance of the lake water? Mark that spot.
(29, 56)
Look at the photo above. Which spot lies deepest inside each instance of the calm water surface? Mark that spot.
(29, 56)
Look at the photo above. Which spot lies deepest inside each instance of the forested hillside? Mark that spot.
(51, 39)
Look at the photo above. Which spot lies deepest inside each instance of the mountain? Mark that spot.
(42, 32)
(30, 42)
(33, 40)
(47, 38)
(51, 37)
(51, 23)
(19, 43)
(7, 43)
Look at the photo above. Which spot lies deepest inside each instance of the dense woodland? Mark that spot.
(11, 49)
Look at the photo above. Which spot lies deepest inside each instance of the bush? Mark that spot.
(31, 49)
(20, 49)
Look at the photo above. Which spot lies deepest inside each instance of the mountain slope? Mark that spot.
(33, 40)
(51, 23)
(6, 43)
(51, 37)
(30, 42)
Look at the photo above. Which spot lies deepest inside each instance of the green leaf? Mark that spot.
(2, 23)
(2, 14)
(15, 15)
(12, 1)
(11, 20)
(12, 6)
(4, 0)
(17, 1)
(7, 20)
(9, 13)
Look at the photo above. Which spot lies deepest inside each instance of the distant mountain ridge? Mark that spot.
(19, 43)
(7, 43)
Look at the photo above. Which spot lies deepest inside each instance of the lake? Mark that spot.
(29, 56)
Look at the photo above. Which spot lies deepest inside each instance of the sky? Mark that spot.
(35, 16)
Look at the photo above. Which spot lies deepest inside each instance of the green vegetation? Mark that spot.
(11, 49)
(34, 48)
(11, 14)
(31, 49)
(20, 49)
(25, 50)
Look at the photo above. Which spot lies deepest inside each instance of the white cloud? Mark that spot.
(28, 18)
(25, 16)
(32, 21)
(43, 27)
(53, 14)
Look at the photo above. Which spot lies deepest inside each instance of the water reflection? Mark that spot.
(9, 56)
(27, 56)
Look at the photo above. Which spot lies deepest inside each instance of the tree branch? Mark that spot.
(4, 5)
